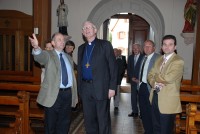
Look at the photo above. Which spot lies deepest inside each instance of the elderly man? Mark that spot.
(97, 80)
(134, 62)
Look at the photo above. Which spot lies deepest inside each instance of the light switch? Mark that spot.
(36, 30)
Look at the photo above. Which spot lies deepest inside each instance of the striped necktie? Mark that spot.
(163, 64)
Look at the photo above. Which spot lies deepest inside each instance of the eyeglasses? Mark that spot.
(87, 28)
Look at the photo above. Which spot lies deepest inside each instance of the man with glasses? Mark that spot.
(97, 80)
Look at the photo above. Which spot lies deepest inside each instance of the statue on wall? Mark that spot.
(190, 16)
(62, 12)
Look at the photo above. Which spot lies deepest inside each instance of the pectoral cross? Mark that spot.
(87, 65)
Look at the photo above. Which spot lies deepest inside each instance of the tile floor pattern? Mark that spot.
(121, 123)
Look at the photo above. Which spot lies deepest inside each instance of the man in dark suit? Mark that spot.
(58, 90)
(97, 80)
(121, 65)
(144, 87)
(165, 79)
(133, 68)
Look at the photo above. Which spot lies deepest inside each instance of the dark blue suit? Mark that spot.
(133, 71)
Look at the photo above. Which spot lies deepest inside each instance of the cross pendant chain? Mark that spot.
(87, 65)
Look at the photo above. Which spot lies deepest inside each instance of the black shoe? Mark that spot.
(133, 115)
(116, 109)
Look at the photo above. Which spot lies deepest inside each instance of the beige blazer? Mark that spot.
(51, 83)
(171, 75)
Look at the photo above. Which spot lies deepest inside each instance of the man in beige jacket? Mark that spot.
(165, 78)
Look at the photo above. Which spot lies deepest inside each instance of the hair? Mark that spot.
(70, 43)
(137, 45)
(47, 41)
(150, 42)
(54, 35)
(169, 37)
(90, 23)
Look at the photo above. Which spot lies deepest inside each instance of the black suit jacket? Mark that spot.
(104, 68)
(134, 71)
(122, 65)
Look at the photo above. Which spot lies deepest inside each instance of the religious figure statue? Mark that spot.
(62, 12)
(190, 16)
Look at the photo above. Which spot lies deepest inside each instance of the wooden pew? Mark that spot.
(21, 124)
(19, 79)
(34, 112)
(188, 94)
(16, 73)
(193, 116)
(23, 81)
(190, 88)
(186, 82)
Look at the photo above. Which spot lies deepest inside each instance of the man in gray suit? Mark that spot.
(144, 87)
(58, 90)
(97, 80)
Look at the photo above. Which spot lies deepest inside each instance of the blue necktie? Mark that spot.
(64, 71)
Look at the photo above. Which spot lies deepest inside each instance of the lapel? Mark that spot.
(152, 61)
(82, 50)
(169, 61)
(56, 59)
(95, 52)
(139, 60)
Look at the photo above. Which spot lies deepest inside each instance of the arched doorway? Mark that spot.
(145, 9)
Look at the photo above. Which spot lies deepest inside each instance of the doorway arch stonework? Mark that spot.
(144, 8)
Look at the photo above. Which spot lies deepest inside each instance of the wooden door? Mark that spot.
(15, 50)
(138, 31)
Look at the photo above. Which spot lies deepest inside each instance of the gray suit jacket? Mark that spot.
(51, 83)
(151, 63)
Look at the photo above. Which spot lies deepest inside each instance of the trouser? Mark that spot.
(134, 99)
(145, 108)
(58, 117)
(117, 97)
(96, 112)
(162, 123)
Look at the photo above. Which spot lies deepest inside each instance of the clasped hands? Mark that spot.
(158, 86)
(135, 80)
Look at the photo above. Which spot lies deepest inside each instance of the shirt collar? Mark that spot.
(137, 55)
(167, 57)
(91, 43)
(58, 52)
(150, 56)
